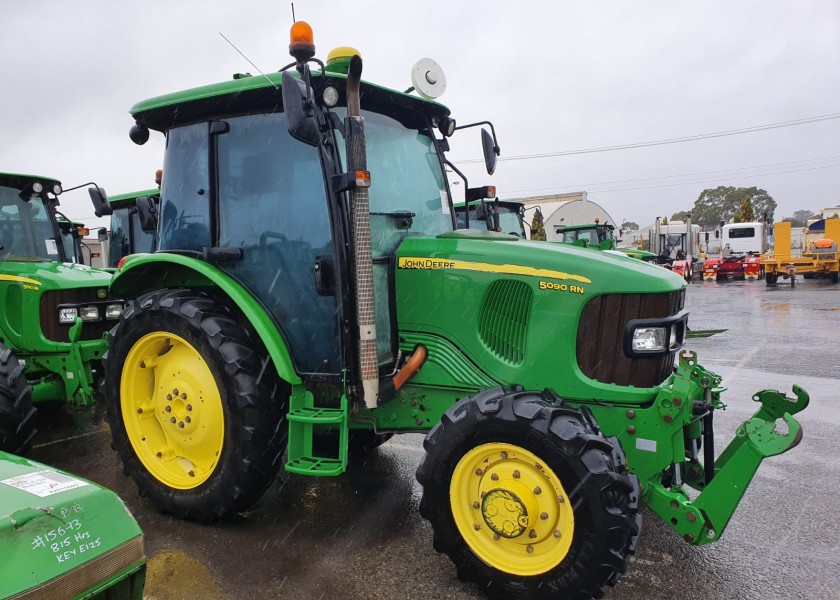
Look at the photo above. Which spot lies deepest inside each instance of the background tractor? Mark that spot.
(53, 312)
(133, 224)
(310, 285)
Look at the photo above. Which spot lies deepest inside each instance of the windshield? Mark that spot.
(69, 243)
(510, 222)
(26, 230)
(406, 176)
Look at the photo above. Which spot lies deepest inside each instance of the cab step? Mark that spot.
(318, 436)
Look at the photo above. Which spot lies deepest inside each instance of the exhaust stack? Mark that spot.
(362, 260)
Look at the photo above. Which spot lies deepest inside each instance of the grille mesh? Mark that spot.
(600, 353)
(503, 320)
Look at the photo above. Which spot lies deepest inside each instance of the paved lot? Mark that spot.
(361, 537)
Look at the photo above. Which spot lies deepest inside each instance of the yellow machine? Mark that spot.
(820, 257)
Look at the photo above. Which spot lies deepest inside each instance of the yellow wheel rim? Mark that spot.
(172, 410)
(511, 509)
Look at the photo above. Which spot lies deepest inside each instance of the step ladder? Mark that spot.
(327, 457)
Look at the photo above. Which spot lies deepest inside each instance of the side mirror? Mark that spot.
(490, 151)
(101, 206)
(147, 213)
(102, 234)
(300, 122)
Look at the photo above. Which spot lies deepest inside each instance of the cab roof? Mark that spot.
(247, 94)
(20, 181)
(133, 195)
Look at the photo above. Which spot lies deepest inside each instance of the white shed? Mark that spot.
(561, 210)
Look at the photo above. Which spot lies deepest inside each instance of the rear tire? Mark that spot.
(196, 415)
(569, 508)
(17, 414)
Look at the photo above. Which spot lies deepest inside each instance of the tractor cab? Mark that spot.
(29, 229)
(502, 216)
(132, 230)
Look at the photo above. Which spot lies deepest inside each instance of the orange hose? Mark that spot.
(418, 357)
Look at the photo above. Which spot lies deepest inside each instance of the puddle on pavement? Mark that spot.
(174, 575)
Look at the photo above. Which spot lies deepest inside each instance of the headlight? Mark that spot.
(649, 339)
(90, 313)
(113, 311)
(646, 338)
(67, 315)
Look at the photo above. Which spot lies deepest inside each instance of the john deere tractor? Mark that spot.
(310, 280)
(53, 312)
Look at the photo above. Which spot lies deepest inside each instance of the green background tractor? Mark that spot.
(310, 284)
(53, 312)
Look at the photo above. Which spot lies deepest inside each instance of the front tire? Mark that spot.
(196, 414)
(17, 414)
(528, 498)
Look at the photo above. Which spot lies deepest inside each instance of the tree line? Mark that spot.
(731, 204)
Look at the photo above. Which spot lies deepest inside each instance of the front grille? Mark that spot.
(600, 353)
(58, 332)
(503, 320)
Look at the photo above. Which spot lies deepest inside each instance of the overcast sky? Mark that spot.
(551, 75)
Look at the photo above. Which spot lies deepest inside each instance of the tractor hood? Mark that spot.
(61, 534)
(504, 254)
(492, 308)
(39, 275)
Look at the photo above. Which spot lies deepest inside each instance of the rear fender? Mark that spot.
(142, 273)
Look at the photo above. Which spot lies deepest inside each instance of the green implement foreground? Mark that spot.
(62, 537)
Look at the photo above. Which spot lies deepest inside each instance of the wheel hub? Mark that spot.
(509, 505)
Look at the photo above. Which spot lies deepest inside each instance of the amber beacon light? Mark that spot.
(301, 41)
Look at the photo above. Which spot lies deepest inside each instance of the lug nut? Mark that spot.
(494, 477)
(172, 420)
(556, 533)
(476, 505)
(191, 473)
(529, 548)
(189, 406)
(479, 472)
(187, 419)
(496, 537)
(169, 397)
(168, 408)
(537, 491)
(560, 499)
(476, 526)
(504, 455)
(483, 494)
(175, 392)
(181, 424)
(516, 474)
(532, 534)
(159, 454)
(544, 516)
(183, 396)
(139, 411)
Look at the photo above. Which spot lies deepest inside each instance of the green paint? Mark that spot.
(46, 534)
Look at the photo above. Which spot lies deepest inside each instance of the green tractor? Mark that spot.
(54, 313)
(65, 537)
(310, 286)
(598, 235)
(133, 224)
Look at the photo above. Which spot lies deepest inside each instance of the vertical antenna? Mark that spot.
(293, 13)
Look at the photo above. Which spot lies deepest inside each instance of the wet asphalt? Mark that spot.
(360, 536)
